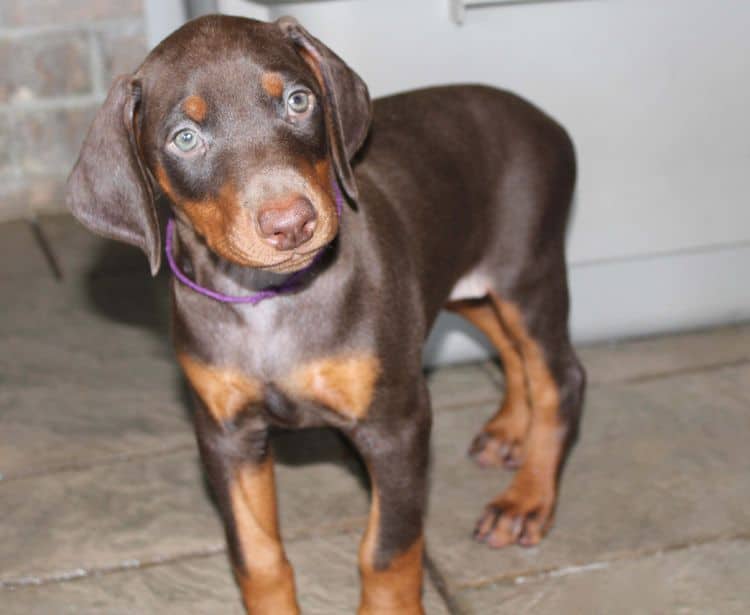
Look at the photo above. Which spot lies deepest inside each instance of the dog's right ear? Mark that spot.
(108, 190)
(347, 107)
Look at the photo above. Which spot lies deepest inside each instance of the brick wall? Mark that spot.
(57, 59)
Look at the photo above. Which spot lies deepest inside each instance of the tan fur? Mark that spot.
(267, 582)
(230, 232)
(323, 173)
(195, 108)
(396, 589)
(511, 422)
(344, 384)
(533, 492)
(225, 392)
(273, 84)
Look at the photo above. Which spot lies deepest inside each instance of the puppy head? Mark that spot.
(244, 126)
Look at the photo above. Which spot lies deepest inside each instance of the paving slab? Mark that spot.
(197, 586)
(709, 578)
(147, 509)
(459, 386)
(92, 413)
(75, 383)
(629, 360)
(79, 251)
(326, 574)
(45, 428)
(660, 463)
(20, 256)
(79, 308)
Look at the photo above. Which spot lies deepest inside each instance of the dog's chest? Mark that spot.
(344, 384)
(286, 353)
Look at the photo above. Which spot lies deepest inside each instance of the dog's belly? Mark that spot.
(473, 285)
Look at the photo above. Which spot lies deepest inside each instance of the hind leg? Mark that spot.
(537, 322)
(501, 440)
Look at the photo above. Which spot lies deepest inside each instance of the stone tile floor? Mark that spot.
(103, 508)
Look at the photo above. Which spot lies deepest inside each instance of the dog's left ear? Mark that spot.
(346, 102)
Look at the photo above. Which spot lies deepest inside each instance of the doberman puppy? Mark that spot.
(294, 311)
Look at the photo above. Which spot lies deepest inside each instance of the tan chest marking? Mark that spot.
(344, 384)
(225, 392)
(396, 588)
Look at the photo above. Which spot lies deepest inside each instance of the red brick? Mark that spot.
(56, 12)
(6, 142)
(49, 141)
(45, 193)
(32, 194)
(40, 66)
(12, 199)
(121, 53)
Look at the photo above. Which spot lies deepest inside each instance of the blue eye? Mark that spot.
(299, 101)
(186, 140)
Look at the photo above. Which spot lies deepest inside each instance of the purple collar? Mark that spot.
(291, 283)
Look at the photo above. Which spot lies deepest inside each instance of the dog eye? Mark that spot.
(186, 140)
(298, 102)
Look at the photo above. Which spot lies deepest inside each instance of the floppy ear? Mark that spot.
(107, 188)
(346, 103)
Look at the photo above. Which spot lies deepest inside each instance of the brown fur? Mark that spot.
(343, 348)
(397, 588)
(525, 511)
(502, 438)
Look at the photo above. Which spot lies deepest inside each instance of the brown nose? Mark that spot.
(288, 227)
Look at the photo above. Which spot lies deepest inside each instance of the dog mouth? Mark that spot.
(243, 243)
(294, 262)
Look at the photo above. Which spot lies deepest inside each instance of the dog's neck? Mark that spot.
(206, 264)
(200, 268)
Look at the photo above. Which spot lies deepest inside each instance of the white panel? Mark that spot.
(162, 18)
(666, 293)
(244, 8)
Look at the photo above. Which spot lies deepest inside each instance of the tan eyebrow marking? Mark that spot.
(195, 108)
(273, 84)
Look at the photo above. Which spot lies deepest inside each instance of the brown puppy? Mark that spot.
(459, 198)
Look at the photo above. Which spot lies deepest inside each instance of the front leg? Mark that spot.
(395, 449)
(233, 441)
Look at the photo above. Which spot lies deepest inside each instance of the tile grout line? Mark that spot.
(81, 572)
(710, 367)
(630, 556)
(345, 526)
(111, 23)
(451, 406)
(103, 462)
